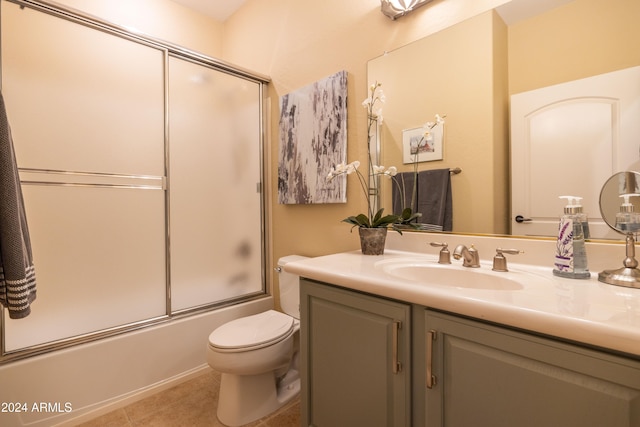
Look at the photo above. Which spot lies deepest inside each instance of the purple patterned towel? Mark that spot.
(17, 274)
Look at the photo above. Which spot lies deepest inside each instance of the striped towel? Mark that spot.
(17, 274)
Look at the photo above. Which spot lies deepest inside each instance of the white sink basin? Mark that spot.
(431, 273)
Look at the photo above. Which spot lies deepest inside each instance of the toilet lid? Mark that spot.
(250, 331)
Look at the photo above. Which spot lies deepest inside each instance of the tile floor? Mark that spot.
(190, 404)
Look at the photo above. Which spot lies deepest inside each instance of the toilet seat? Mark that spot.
(252, 332)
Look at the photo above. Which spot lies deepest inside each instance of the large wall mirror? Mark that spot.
(471, 70)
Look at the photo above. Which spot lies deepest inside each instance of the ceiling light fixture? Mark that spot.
(394, 9)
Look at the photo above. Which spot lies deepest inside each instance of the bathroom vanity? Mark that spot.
(400, 340)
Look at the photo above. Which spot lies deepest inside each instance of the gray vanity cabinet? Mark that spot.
(492, 376)
(355, 358)
(370, 361)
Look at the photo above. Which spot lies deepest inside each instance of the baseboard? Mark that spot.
(101, 408)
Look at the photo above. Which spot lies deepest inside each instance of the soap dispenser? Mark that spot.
(571, 253)
(627, 220)
(575, 203)
(580, 215)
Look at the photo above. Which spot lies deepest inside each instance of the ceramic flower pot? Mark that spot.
(372, 240)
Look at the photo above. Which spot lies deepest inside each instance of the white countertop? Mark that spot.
(585, 311)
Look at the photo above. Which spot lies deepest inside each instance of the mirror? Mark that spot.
(468, 73)
(620, 202)
(620, 209)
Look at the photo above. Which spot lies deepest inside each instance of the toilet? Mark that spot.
(258, 357)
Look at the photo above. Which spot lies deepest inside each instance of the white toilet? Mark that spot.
(257, 357)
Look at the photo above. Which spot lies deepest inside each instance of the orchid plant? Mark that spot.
(372, 219)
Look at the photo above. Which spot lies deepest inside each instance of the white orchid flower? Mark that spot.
(350, 168)
(332, 174)
(376, 95)
(392, 171)
(339, 169)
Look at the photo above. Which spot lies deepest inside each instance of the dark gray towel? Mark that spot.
(402, 192)
(17, 274)
(433, 201)
(434, 198)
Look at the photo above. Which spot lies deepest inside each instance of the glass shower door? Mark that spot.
(214, 174)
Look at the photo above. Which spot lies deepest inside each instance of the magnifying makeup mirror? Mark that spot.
(620, 209)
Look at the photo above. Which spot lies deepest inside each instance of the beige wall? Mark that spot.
(556, 47)
(161, 19)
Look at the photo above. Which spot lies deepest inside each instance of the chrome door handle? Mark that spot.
(396, 366)
(432, 335)
(520, 219)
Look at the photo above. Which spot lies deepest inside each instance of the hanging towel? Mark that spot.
(402, 193)
(17, 273)
(434, 198)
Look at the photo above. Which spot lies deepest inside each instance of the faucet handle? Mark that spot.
(445, 255)
(500, 261)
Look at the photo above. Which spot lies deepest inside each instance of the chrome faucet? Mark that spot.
(470, 256)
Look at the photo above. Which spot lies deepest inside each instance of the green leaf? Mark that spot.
(384, 221)
(377, 216)
(363, 220)
(358, 221)
(407, 216)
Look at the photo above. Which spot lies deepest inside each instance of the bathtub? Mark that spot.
(76, 384)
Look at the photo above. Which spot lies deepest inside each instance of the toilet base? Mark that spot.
(246, 398)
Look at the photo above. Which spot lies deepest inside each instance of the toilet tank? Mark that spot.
(289, 287)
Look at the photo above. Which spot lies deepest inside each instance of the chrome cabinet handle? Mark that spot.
(431, 379)
(396, 366)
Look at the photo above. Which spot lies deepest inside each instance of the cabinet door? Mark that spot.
(490, 376)
(355, 357)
